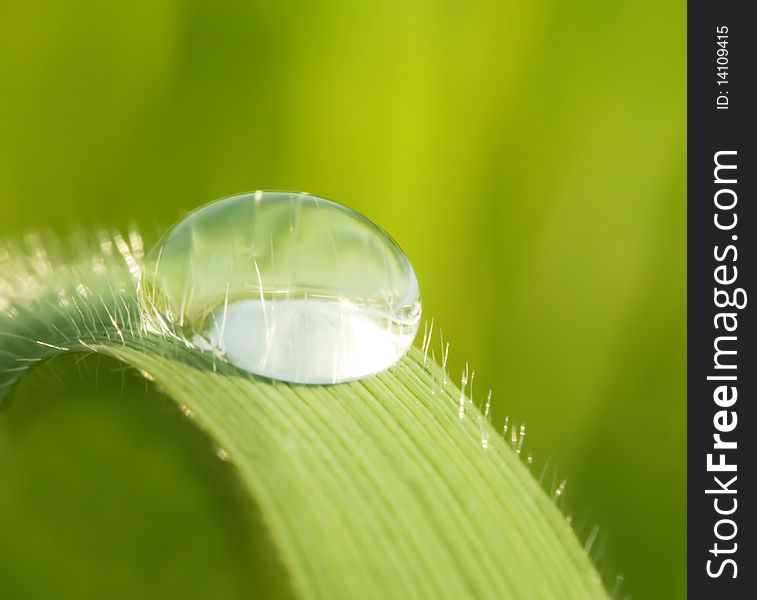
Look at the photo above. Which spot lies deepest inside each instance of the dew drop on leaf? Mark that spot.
(285, 285)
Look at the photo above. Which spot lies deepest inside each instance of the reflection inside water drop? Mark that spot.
(285, 285)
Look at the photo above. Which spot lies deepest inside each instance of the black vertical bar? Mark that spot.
(722, 552)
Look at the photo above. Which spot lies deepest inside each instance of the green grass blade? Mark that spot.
(370, 489)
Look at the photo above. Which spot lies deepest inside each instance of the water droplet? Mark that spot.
(559, 490)
(285, 285)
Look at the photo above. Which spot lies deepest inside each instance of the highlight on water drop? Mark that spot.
(285, 285)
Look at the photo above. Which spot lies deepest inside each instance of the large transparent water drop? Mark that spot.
(285, 285)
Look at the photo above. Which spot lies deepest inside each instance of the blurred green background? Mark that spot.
(529, 157)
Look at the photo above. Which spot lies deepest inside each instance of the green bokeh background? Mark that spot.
(529, 157)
